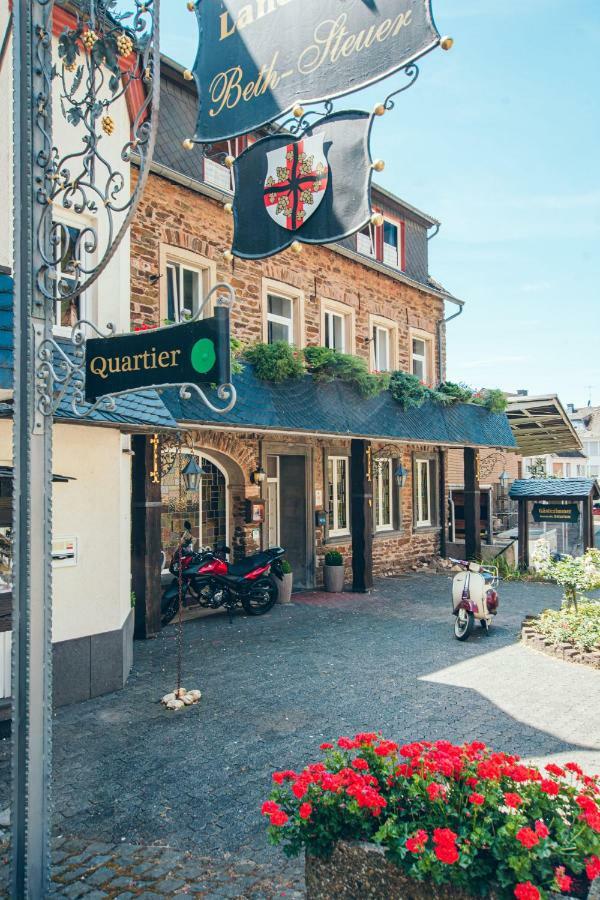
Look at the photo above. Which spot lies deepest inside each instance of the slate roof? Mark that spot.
(334, 408)
(144, 408)
(561, 488)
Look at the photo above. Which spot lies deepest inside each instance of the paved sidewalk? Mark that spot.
(129, 774)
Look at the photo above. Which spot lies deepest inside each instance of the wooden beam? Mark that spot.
(443, 501)
(146, 507)
(472, 504)
(523, 535)
(361, 487)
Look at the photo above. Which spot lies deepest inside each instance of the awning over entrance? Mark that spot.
(541, 425)
(336, 409)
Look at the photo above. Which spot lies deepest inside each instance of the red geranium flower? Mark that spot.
(477, 799)
(592, 819)
(587, 804)
(444, 836)
(360, 764)
(446, 853)
(550, 787)
(555, 770)
(541, 829)
(527, 837)
(269, 807)
(513, 800)
(416, 843)
(279, 817)
(563, 882)
(526, 891)
(305, 810)
(386, 748)
(574, 767)
(326, 746)
(346, 743)
(435, 790)
(592, 867)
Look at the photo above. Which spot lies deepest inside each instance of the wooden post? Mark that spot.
(472, 504)
(587, 529)
(361, 487)
(146, 506)
(443, 501)
(523, 532)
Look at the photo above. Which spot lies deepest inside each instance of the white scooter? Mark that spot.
(474, 597)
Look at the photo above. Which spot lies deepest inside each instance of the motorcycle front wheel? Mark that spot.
(463, 624)
(261, 597)
(169, 607)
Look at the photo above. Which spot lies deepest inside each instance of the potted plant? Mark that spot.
(333, 572)
(435, 820)
(284, 586)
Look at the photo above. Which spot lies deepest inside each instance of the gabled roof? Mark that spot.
(305, 406)
(541, 425)
(554, 488)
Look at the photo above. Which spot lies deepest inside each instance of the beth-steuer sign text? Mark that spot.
(257, 59)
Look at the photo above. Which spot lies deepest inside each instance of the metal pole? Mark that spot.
(32, 446)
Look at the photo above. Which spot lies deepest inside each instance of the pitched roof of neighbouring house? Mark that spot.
(304, 405)
(559, 488)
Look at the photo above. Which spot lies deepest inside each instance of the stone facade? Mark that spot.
(182, 221)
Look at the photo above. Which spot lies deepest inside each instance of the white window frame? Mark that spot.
(378, 332)
(287, 291)
(274, 319)
(276, 480)
(61, 218)
(419, 357)
(330, 317)
(399, 261)
(365, 245)
(205, 268)
(379, 323)
(420, 520)
(336, 531)
(417, 334)
(379, 493)
(346, 312)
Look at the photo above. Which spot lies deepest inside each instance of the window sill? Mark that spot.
(338, 539)
(425, 529)
(388, 533)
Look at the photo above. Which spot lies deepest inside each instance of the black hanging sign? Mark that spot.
(193, 353)
(314, 188)
(258, 58)
(555, 512)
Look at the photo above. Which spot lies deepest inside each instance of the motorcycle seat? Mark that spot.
(254, 561)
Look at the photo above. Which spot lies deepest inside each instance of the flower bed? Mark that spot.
(479, 822)
(573, 635)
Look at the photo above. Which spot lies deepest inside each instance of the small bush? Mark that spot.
(285, 567)
(580, 627)
(326, 365)
(408, 390)
(275, 362)
(334, 558)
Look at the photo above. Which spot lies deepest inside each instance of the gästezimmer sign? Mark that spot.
(257, 59)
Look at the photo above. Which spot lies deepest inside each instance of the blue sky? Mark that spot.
(500, 139)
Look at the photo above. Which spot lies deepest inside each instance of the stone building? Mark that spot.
(371, 296)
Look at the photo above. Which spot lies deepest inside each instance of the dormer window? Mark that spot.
(393, 243)
(365, 241)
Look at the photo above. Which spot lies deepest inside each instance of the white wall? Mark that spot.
(109, 298)
(93, 596)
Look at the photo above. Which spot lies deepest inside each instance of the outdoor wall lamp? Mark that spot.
(192, 474)
(401, 475)
(258, 476)
(504, 478)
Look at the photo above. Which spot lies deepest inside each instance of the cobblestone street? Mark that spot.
(128, 774)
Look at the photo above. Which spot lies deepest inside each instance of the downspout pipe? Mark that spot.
(440, 326)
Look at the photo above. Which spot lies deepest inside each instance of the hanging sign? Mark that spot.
(193, 353)
(257, 59)
(555, 512)
(284, 186)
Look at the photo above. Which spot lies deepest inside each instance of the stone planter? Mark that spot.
(532, 637)
(333, 577)
(284, 588)
(359, 870)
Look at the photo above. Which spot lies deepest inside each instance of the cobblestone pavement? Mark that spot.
(127, 774)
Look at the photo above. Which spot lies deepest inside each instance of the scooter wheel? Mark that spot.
(463, 624)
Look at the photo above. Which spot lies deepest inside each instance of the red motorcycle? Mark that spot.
(209, 581)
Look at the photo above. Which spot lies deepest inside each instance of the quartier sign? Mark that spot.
(256, 60)
(555, 512)
(194, 353)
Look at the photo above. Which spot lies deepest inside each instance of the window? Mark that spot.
(383, 494)
(424, 492)
(365, 242)
(381, 348)
(393, 244)
(421, 351)
(334, 331)
(280, 319)
(186, 279)
(273, 500)
(338, 495)
(184, 291)
(68, 312)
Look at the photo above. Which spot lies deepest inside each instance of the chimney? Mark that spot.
(522, 392)
(571, 409)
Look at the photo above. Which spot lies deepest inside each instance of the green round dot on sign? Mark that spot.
(203, 355)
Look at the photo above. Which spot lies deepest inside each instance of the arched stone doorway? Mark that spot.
(207, 510)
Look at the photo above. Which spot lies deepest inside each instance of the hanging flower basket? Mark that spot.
(435, 820)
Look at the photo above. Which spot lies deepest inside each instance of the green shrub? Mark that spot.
(275, 362)
(492, 398)
(326, 365)
(451, 392)
(285, 567)
(334, 558)
(580, 627)
(408, 390)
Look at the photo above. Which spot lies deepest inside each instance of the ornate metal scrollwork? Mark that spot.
(107, 58)
(412, 73)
